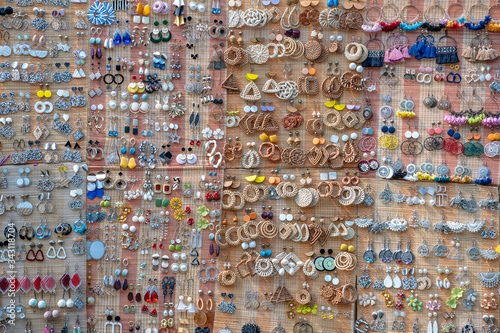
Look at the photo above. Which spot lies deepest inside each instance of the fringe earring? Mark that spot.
(375, 57)
(447, 54)
(486, 51)
(430, 51)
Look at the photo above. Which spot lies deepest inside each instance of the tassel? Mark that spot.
(442, 58)
(405, 53)
(493, 54)
(487, 55)
(473, 55)
(427, 53)
(467, 52)
(191, 308)
(432, 51)
(446, 58)
(414, 49)
(439, 59)
(453, 57)
(367, 62)
(395, 55)
(481, 55)
(181, 307)
(386, 56)
(422, 46)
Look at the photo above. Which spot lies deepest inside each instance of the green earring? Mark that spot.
(153, 40)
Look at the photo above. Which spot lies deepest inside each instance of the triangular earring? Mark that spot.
(250, 92)
(230, 83)
(271, 86)
(61, 253)
(76, 74)
(270, 124)
(285, 295)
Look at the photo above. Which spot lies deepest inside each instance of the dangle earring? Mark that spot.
(117, 38)
(181, 158)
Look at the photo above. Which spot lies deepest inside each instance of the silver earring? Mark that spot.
(473, 252)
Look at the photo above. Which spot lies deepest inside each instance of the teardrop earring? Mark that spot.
(117, 38)
(127, 39)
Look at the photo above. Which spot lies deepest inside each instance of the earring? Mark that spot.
(191, 157)
(181, 158)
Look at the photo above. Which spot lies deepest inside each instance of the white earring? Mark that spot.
(191, 158)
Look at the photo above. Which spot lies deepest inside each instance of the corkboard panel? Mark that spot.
(187, 284)
(267, 320)
(189, 174)
(416, 237)
(376, 270)
(54, 266)
(51, 36)
(315, 103)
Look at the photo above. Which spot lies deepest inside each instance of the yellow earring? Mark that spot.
(251, 178)
(131, 163)
(139, 8)
(251, 77)
(132, 87)
(123, 162)
(260, 179)
(47, 93)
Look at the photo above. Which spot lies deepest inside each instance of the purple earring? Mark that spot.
(263, 107)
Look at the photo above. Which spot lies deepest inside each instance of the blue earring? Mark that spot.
(117, 39)
(126, 37)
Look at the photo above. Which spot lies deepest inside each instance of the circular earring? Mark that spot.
(191, 157)
(181, 158)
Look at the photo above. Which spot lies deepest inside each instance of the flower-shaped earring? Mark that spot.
(414, 303)
(469, 300)
(218, 134)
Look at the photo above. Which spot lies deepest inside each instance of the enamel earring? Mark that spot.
(191, 157)
(181, 158)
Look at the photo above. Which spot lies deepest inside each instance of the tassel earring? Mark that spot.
(191, 308)
(414, 49)
(395, 55)
(422, 46)
(404, 51)
(180, 306)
